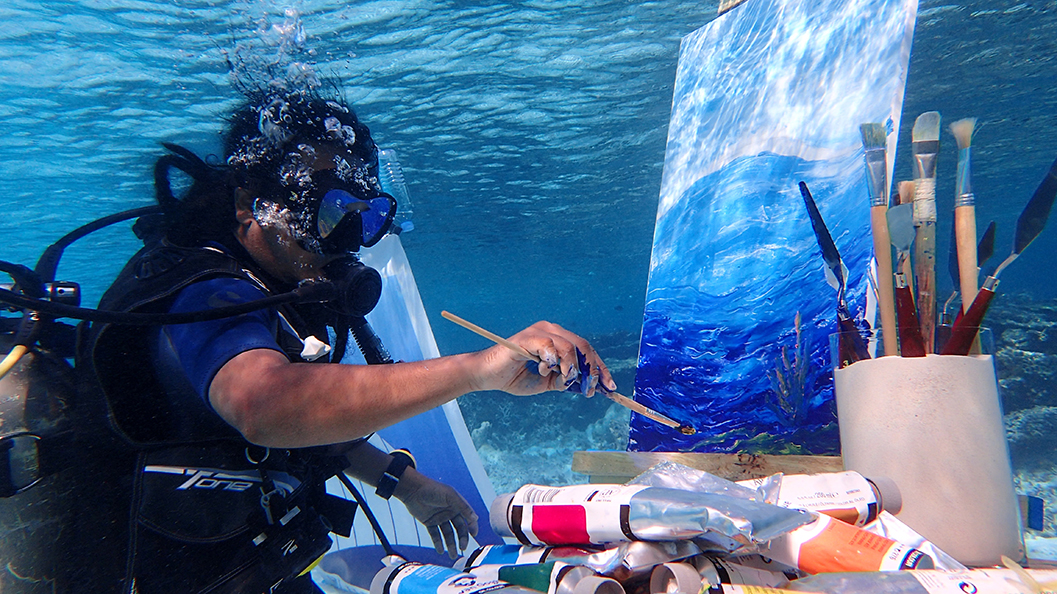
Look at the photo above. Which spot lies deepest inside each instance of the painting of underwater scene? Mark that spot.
(738, 311)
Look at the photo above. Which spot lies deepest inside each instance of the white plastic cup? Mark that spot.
(934, 426)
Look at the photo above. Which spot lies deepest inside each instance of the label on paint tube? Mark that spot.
(415, 578)
(743, 589)
(846, 496)
(828, 545)
(582, 514)
(715, 571)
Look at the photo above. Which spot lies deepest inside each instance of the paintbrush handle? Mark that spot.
(910, 343)
(490, 336)
(968, 266)
(643, 410)
(615, 397)
(882, 246)
(966, 328)
(925, 282)
(968, 260)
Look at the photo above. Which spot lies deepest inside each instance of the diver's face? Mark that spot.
(265, 232)
(306, 175)
(274, 233)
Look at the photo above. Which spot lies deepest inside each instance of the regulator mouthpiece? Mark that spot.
(359, 287)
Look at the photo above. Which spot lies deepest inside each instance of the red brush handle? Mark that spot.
(964, 330)
(911, 344)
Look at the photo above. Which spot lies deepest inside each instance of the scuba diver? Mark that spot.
(202, 439)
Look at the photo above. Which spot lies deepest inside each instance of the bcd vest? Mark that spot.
(208, 511)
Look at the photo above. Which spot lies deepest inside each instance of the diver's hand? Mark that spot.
(556, 349)
(441, 509)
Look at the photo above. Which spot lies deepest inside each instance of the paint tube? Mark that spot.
(553, 577)
(602, 514)
(847, 496)
(743, 589)
(621, 562)
(975, 581)
(675, 578)
(715, 571)
(892, 527)
(828, 545)
(408, 577)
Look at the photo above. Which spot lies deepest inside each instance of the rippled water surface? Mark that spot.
(532, 133)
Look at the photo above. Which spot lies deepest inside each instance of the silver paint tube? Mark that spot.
(602, 514)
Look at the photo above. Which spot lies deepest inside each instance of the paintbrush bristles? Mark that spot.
(963, 132)
(873, 136)
(906, 192)
(927, 127)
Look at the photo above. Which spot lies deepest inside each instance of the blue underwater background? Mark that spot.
(532, 134)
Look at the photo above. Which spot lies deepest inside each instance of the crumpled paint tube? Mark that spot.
(621, 562)
(828, 545)
(847, 496)
(409, 577)
(892, 527)
(601, 514)
(553, 577)
(737, 570)
(979, 581)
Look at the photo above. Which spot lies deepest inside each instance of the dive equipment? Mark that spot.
(345, 221)
(391, 477)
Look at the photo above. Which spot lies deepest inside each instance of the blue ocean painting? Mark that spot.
(738, 311)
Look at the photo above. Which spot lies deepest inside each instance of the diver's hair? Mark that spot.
(259, 135)
(270, 125)
(205, 213)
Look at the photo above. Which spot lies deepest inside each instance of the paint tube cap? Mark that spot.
(498, 514)
(888, 495)
(598, 585)
(675, 577)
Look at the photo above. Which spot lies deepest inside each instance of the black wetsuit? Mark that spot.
(174, 499)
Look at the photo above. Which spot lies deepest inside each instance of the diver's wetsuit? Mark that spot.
(175, 500)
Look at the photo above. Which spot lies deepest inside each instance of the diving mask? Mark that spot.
(346, 215)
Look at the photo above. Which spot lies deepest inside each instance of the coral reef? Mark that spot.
(1025, 334)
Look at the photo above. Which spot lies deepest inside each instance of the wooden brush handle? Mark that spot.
(968, 267)
(882, 247)
(925, 282)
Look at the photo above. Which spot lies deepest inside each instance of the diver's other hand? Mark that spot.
(448, 518)
(556, 349)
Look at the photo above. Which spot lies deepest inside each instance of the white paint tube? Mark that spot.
(828, 545)
(416, 578)
(973, 581)
(603, 514)
(715, 571)
(892, 527)
(847, 496)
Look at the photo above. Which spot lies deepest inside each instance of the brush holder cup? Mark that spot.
(934, 426)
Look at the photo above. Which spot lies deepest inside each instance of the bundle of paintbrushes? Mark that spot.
(905, 287)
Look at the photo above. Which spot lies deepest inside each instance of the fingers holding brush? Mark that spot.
(566, 354)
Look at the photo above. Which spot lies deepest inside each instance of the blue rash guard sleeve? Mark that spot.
(200, 349)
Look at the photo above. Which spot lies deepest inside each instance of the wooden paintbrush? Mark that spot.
(1029, 225)
(874, 142)
(965, 214)
(926, 148)
(620, 399)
